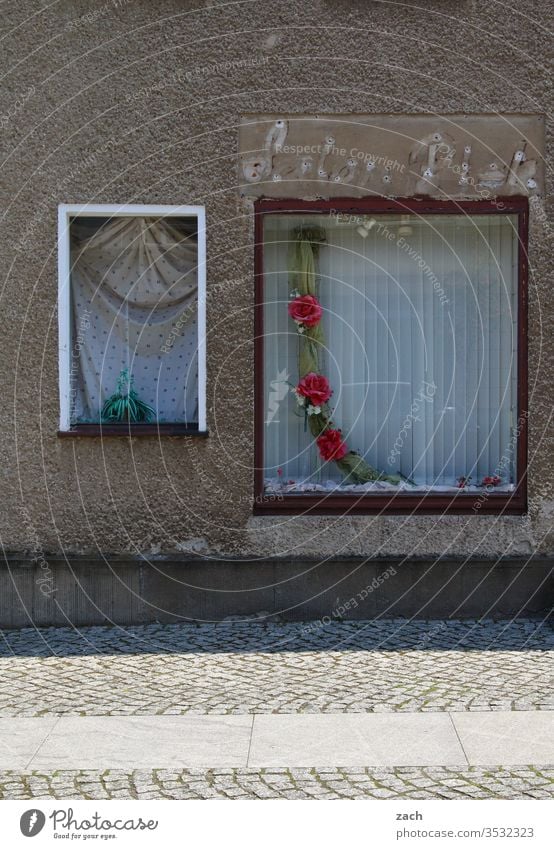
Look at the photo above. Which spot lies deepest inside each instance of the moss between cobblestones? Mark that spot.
(200, 662)
(284, 783)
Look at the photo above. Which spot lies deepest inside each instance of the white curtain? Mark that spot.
(420, 325)
(134, 296)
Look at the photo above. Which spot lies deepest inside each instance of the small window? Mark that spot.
(132, 319)
(391, 356)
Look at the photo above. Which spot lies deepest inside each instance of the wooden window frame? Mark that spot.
(66, 212)
(402, 503)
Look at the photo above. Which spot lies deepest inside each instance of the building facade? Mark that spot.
(388, 161)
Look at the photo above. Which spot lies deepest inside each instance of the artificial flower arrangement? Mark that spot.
(124, 405)
(488, 481)
(313, 391)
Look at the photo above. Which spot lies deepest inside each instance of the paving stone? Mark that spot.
(351, 667)
(239, 668)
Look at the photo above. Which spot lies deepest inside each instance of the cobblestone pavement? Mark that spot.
(332, 783)
(251, 667)
(242, 667)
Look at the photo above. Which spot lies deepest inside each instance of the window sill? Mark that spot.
(127, 430)
(476, 504)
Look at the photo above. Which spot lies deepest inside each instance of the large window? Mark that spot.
(131, 319)
(411, 315)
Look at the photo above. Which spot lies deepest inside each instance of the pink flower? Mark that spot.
(331, 445)
(306, 310)
(314, 387)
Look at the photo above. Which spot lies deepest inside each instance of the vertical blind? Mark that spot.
(420, 323)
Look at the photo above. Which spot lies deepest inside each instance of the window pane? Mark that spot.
(134, 314)
(419, 346)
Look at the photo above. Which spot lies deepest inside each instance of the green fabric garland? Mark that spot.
(302, 277)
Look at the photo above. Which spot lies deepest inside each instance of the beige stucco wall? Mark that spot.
(140, 101)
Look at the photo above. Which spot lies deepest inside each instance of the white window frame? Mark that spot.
(66, 211)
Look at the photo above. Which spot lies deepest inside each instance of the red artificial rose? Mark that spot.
(331, 445)
(491, 480)
(306, 310)
(315, 387)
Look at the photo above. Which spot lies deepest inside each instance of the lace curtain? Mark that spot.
(134, 306)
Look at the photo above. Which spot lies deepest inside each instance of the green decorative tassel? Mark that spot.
(124, 405)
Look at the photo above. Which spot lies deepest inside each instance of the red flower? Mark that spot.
(306, 310)
(491, 480)
(315, 387)
(331, 445)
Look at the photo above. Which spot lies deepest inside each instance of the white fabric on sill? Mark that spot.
(274, 485)
(134, 304)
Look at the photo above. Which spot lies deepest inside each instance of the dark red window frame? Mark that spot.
(401, 503)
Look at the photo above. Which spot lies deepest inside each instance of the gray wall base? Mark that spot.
(85, 591)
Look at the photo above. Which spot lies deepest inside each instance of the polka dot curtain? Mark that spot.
(134, 306)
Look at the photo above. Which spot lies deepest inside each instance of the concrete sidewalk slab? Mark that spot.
(303, 740)
(20, 740)
(276, 740)
(510, 737)
(115, 742)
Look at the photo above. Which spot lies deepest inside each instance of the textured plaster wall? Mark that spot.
(139, 101)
